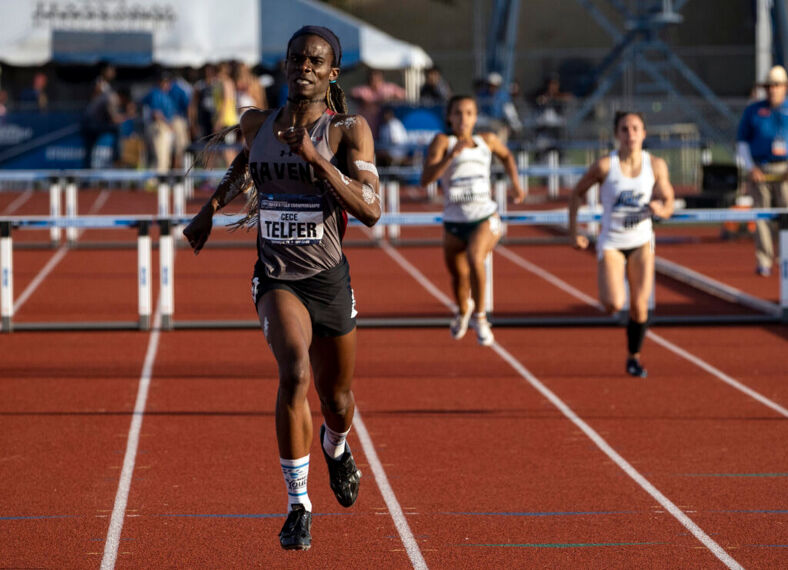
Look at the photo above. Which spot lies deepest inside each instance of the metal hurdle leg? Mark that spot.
(71, 210)
(6, 277)
(488, 290)
(592, 199)
(392, 199)
(166, 275)
(54, 209)
(164, 198)
(432, 192)
(144, 288)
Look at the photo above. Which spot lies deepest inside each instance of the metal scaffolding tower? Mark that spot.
(640, 55)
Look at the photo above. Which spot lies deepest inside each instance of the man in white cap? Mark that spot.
(762, 146)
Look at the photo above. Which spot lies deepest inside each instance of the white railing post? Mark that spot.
(379, 229)
(71, 210)
(522, 166)
(500, 199)
(144, 289)
(166, 275)
(553, 178)
(188, 181)
(392, 206)
(488, 290)
(178, 202)
(164, 197)
(55, 186)
(784, 267)
(6, 277)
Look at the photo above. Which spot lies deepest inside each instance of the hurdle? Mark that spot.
(766, 312)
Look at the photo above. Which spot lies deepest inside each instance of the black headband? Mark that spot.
(324, 33)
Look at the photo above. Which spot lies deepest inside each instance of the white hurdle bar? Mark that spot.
(6, 277)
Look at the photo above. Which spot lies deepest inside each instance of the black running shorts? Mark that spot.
(327, 296)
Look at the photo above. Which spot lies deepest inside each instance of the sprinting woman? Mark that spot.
(633, 187)
(461, 160)
(310, 164)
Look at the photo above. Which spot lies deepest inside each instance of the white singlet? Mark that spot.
(466, 184)
(626, 218)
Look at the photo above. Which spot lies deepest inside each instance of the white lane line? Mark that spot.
(20, 200)
(56, 258)
(622, 463)
(381, 480)
(718, 373)
(652, 335)
(405, 534)
(677, 513)
(132, 443)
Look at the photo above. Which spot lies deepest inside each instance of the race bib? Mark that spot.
(291, 219)
(624, 219)
(470, 189)
(779, 147)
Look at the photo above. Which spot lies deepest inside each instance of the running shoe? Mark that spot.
(484, 335)
(763, 271)
(295, 534)
(344, 476)
(634, 368)
(459, 324)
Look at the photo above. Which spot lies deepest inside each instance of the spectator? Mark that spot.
(435, 90)
(158, 114)
(551, 105)
(392, 138)
(35, 97)
(3, 102)
(371, 96)
(180, 93)
(202, 107)
(763, 150)
(248, 89)
(226, 108)
(102, 116)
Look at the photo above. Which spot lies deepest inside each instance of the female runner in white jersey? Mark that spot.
(633, 187)
(470, 220)
(310, 164)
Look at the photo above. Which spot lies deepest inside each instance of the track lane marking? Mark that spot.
(598, 440)
(57, 258)
(112, 541)
(18, 202)
(564, 286)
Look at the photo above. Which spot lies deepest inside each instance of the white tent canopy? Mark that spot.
(181, 33)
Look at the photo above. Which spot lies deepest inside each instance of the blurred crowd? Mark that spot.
(152, 122)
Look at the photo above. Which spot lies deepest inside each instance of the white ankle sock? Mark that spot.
(296, 472)
(334, 442)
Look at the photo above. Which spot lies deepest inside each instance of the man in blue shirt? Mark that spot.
(159, 111)
(763, 150)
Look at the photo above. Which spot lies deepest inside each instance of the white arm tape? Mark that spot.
(368, 166)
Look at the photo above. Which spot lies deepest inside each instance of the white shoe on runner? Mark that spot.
(459, 324)
(484, 334)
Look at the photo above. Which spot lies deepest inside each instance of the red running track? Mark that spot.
(486, 470)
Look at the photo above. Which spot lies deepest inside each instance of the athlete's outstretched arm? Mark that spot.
(357, 191)
(596, 174)
(509, 164)
(662, 197)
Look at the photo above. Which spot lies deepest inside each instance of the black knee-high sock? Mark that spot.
(636, 332)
